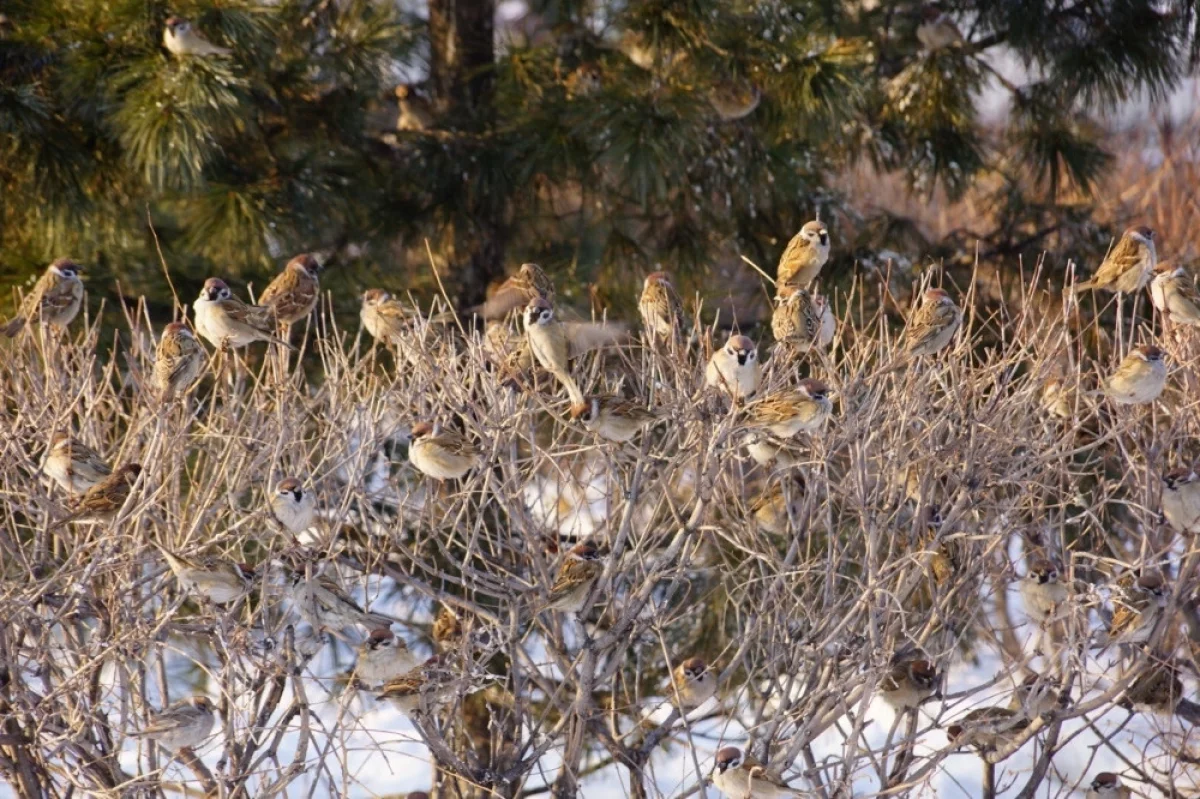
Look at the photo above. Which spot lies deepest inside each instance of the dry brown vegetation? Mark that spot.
(803, 626)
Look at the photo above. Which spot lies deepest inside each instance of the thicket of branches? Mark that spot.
(907, 518)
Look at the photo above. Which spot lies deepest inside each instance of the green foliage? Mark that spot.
(287, 145)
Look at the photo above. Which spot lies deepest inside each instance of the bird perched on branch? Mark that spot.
(576, 576)
(218, 580)
(659, 306)
(178, 361)
(516, 293)
(1038, 695)
(74, 465)
(804, 256)
(416, 112)
(613, 418)
(224, 320)
(104, 500)
(1181, 500)
(775, 507)
(1128, 266)
(1174, 294)
(183, 725)
(933, 324)
(322, 603)
(1140, 378)
(382, 657)
(181, 38)
(788, 412)
(988, 728)
(741, 776)
(1137, 605)
(442, 454)
(802, 320)
(433, 682)
(54, 300)
(693, 683)
(1107, 785)
(1042, 590)
(554, 344)
(911, 681)
(734, 368)
(292, 506)
(294, 292)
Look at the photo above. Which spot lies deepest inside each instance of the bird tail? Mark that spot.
(1087, 285)
(13, 326)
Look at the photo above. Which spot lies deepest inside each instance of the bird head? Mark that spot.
(290, 489)
(813, 389)
(215, 290)
(742, 348)
(66, 268)
(306, 264)
(816, 233)
(729, 757)
(539, 312)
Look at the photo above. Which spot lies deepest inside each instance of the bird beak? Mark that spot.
(824, 239)
(741, 356)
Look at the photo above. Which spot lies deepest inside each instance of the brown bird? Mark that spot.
(103, 501)
(224, 320)
(575, 578)
(416, 112)
(390, 321)
(1042, 590)
(1137, 606)
(659, 305)
(693, 683)
(801, 319)
(1037, 695)
(218, 580)
(433, 681)
(442, 454)
(1140, 378)
(804, 256)
(937, 29)
(178, 361)
(515, 293)
(294, 292)
(183, 725)
(933, 325)
(1156, 689)
(1181, 500)
(988, 728)
(383, 657)
(911, 681)
(787, 412)
(613, 418)
(1174, 294)
(584, 81)
(1129, 264)
(772, 510)
(447, 630)
(734, 99)
(741, 776)
(74, 465)
(54, 300)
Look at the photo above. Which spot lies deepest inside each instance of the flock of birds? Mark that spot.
(801, 321)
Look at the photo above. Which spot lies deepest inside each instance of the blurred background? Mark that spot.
(603, 140)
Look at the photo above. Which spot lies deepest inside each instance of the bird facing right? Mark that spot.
(1181, 500)
(933, 324)
(54, 300)
(613, 418)
(575, 578)
(1128, 266)
(1140, 378)
(734, 368)
(1042, 590)
(804, 256)
(182, 39)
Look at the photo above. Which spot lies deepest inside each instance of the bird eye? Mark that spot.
(751, 355)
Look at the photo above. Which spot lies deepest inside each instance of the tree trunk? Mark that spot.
(462, 75)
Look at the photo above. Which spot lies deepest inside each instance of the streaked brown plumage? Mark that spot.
(789, 412)
(183, 725)
(1140, 378)
(911, 681)
(659, 305)
(224, 320)
(988, 727)
(613, 418)
(801, 319)
(442, 454)
(1129, 264)
(101, 502)
(216, 579)
(294, 292)
(515, 293)
(74, 465)
(804, 256)
(933, 324)
(575, 578)
(178, 361)
(54, 300)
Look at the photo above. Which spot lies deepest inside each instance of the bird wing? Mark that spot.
(573, 574)
(586, 336)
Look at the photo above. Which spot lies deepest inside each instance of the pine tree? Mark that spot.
(598, 139)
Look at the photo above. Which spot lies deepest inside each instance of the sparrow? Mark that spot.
(772, 510)
(180, 38)
(1036, 696)
(575, 578)
(550, 344)
(1041, 589)
(988, 727)
(909, 683)
(693, 683)
(516, 293)
(322, 603)
(804, 256)
(294, 292)
(1156, 689)
(1107, 785)
(74, 465)
(447, 630)
(937, 30)
(1058, 398)
(659, 305)
(1128, 265)
(734, 368)
(787, 412)
(178, 361)
(382, 657)
(416, 112)
(55, 298)
(433, 680)
(208, 576)
(613, 418)
(183, 725)
(292, 506)
(1137, 606)
(104, 500)
(734, 99)
(801, 319)
(223, 319)
(767, 450)
(933, 324)
(442, 454)
(1174, 294)
(1181, 500)
(743, 777)
(585, 80)
(1140, 377)
(389, 321)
